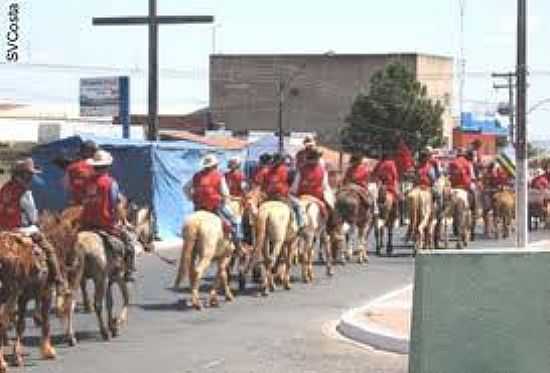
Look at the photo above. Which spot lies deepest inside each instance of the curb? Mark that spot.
(370, 333)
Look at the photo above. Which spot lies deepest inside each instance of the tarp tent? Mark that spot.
(150, 173)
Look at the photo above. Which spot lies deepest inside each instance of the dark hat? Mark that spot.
(278, 158)
(356, 158)
(88, 145)
(265, 158)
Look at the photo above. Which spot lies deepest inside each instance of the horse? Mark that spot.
(354, 206)
(275, 231)
(91, 259)
(456, 209)
(421, 227)
(24, 275)
(385, 218)
(204, 242)
(314, 231)
(539, 207)
(504, 203)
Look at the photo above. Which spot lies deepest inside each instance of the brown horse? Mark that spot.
(24, 276)
(504, 211)
(385, 219)
(355, 207)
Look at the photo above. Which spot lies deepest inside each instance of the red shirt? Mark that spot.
(460, 173)
(10, 205)
(78, 173)
(206, 190)
(277, 181)
(311, 181)
(423, 174)
(358, 174)
(540, 182)
(403, 160)
(98, 209)
(259, 176)
(386, 172)
(235, 179)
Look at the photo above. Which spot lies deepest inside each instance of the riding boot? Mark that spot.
(51, 258)
(129, 256)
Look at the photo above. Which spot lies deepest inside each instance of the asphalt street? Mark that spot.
(289, 331)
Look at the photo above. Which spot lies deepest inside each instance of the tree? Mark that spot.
(397, 105)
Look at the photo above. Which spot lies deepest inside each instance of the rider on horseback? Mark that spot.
(312, 179)
(301, 155)
(235, 178)
(79, 171)
(358, 172)
(278, 186)
(18, 212)
(103, 209)
(386, 172)
(209, 191)
(258, 181)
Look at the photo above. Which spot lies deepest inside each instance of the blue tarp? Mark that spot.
(150, 173)
(485, 125)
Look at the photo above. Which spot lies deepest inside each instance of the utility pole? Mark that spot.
(510, 86)
(280, 116)
(521, 112)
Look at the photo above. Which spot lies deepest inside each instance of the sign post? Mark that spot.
(106, 97)
(124, 103)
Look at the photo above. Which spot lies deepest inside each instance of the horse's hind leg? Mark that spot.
(46, 348)
(88, 305)
(4, 323)
(225, 280)
(99, 296)
(111, 319)
(196, 275)
(20, 330)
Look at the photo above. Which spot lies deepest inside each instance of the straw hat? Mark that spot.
(101, 158)
(209, 160)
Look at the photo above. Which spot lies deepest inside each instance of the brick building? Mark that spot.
(320, 88)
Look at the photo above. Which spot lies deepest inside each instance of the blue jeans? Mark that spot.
(236, 225)
(295, 203)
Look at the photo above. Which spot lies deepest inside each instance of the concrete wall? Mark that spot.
(243, 88)
(481, 312)
(41, 131)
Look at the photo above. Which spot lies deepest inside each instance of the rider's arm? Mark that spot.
(295, 184)
(188, 189)
(28, 209)
(224, 189)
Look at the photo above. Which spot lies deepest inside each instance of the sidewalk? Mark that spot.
(383, 323)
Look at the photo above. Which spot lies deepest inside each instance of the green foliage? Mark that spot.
(397, 105)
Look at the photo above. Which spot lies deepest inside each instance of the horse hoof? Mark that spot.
(48, 352)
(19, 361)
(214, 302)
(71, 341)
(330, 272)
(105, 335)
(229, 298)
(287, 286)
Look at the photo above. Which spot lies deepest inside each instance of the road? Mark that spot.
(289, 331)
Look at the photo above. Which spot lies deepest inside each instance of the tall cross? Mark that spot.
(153, 21)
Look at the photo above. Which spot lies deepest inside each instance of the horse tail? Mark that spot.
(261, 230)
(189, 240)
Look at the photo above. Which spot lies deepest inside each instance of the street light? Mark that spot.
(282, 87)
(214, 28)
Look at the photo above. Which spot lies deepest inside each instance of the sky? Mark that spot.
(63, 35)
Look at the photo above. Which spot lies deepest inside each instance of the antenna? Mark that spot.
(461, 61)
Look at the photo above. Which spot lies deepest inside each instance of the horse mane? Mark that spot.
(61, 230)
(16, 255)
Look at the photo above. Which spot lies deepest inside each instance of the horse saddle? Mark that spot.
(113, 244)
(322, 205)
(361, 192)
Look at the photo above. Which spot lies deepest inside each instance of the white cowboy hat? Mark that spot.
(209, 160)
(101, 158)
(429, 149)
(234, 161)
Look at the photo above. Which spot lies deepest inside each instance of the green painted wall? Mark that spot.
(481, 312)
